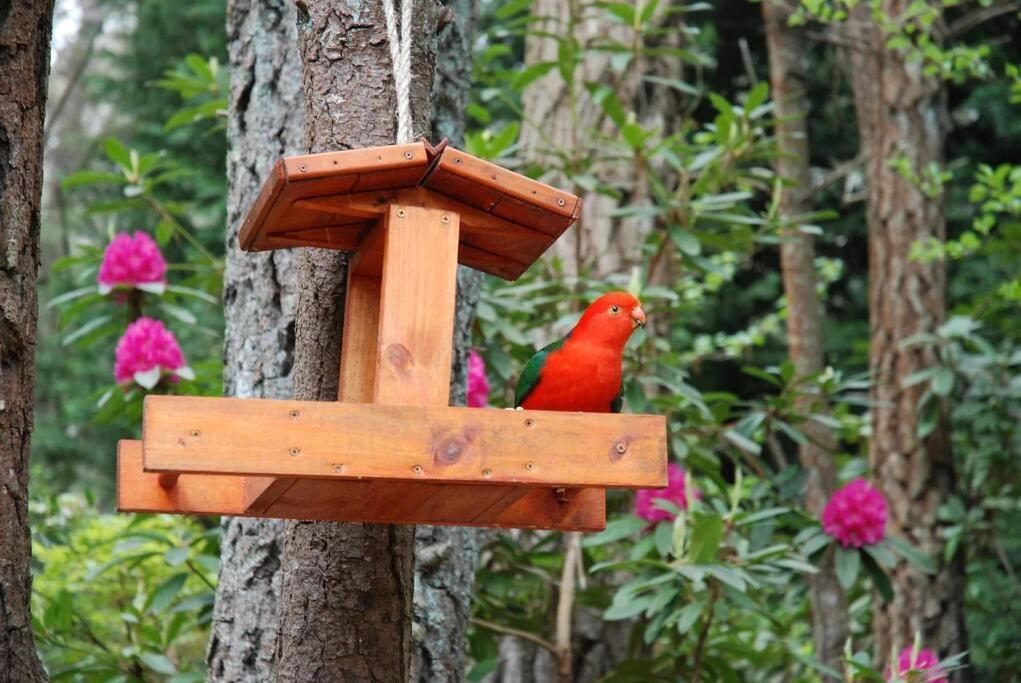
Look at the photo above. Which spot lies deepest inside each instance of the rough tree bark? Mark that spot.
(25, 28)
(900, 112)
(445, 557)
(346, 597)
(265, 121)
(787, 62)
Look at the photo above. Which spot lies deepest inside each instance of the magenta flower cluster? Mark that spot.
(146, 353)
(674, 493)
(924, 661)
(855, 515)
(132, 262)
(478, 384)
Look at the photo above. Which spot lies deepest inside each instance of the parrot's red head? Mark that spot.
(611, 319)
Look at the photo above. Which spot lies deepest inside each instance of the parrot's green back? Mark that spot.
(532, 371)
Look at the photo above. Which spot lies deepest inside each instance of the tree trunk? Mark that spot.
(346, 596)
(787, 76)
(900, 111)
(445, 557)
(265, 119)
(24, 69)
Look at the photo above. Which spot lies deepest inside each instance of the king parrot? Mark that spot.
(583, 371)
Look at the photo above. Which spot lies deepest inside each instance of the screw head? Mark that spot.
(621, 447)
(444, 218)
(530, 467)
(303, 168)
(294, 414)
(417, 469)
(196, 433)
(459, 161)
(487, 473)
(338, 468)
(561, 202)
(529, 423)
(409, 155)
(401, 213)
(294, 452)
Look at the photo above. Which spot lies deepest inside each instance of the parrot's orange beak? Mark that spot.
(638, 316)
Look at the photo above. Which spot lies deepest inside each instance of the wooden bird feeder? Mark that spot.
(391, 450)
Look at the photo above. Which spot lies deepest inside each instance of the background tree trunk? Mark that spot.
(900, 114)
(25, 28)
(265, 119)
(788, 79)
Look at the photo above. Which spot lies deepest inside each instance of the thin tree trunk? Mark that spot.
(25, 28)
(346, 594)
(787, 62)
(265, 121)
(900, 111)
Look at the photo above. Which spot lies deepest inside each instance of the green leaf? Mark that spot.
(161, 598)
(159, 663)
(912, 554)
(117, 152)
(742, 441)
(942, 381)
(848, 561)
(616, 529)
(706, 535)
(91, 178)
(688, 616)
(879, 578)
(663, 537)
(685, 241)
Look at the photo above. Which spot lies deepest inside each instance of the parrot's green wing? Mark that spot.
(532, 371)
(617, 404)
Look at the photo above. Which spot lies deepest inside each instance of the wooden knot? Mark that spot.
(448, 451)
(400, 358)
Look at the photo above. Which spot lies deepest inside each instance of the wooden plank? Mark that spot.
(206, 494)
(418, 443)
(139, 491)
(484, 174)
(361, 335)
(356, 161)
(417, 299)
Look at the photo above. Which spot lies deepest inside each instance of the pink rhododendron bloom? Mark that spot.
(478, 385)
(925, 662)
(855, 515)
(674, 492)
(146, 353)
(132, 262)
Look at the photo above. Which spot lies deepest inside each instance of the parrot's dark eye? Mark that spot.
(614, 310)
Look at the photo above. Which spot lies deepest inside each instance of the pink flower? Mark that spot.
(925, 663)
(674, 493)
(146, 353)
(855, 515)
(478, 385)
(132, 262)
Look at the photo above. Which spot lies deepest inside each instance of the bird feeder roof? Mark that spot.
(332, 200)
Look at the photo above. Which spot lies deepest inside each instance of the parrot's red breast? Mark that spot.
(583, 371)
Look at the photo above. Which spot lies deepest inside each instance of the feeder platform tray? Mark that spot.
(391, 450)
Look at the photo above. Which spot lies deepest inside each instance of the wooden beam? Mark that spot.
(329, 440)
(462, 505)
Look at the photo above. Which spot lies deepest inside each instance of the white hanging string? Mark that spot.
(400, 57)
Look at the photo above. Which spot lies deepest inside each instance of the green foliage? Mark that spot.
(120, 597)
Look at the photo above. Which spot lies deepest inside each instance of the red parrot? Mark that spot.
(582, 371)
